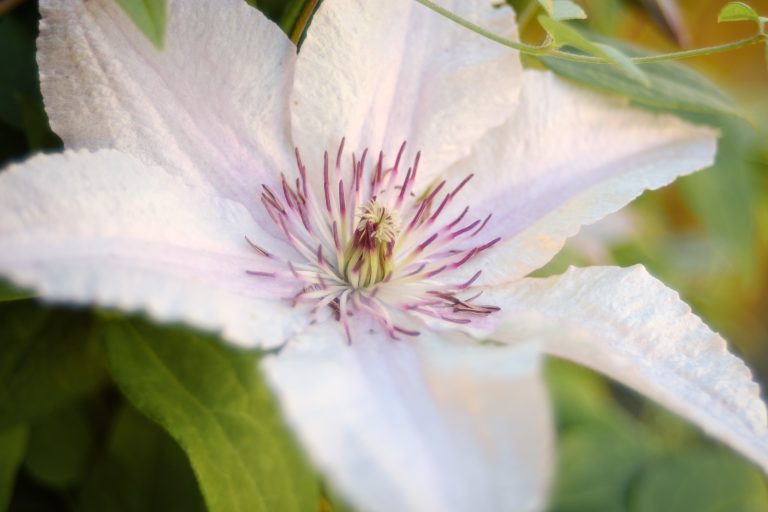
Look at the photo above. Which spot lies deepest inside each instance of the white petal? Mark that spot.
(419, 424)
(103, 228)
(211, 107)
(381, 72)
(628, 325)
(567, 158)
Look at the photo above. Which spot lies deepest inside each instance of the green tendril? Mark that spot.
(549, 49)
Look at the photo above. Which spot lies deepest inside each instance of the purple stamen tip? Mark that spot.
(365, 223)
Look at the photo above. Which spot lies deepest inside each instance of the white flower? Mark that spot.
(174, 165)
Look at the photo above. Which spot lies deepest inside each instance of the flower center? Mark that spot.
(370, 241)
(368, 256)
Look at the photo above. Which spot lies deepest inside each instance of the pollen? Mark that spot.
(369, 256)
(377, 222)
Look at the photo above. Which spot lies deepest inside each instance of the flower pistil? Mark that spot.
(373, 244)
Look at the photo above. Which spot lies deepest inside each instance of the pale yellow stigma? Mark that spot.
(386, 224)
(369, 254)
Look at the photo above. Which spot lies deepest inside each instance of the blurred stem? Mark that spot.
(7, 6)
(549, 50)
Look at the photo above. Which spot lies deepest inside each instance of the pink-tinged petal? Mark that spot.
(212, 106)
(567, 158)
(102, 228)
(426, 423)
(381, 72)
(629, 326)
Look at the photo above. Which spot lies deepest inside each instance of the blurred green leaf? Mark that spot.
(12, 145)
(671, 86)
(596, 464)
(18, 72)
(149, 16)
(10, 292)
(567, 257)
(213, 402)
(672, 433)
(567, 10)
(142, 470)
(59, 448)
(725, 197)
(623, 62)
(605, 16)
(579, 395)
(600, 447)
(48, 359)
(35, 123)
(737, 11)
(704, 481)
(13, 443)
(564, 34)
(548, 5)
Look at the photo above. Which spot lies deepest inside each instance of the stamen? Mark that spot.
(374, 267)
(260, 274)
(257, 248)
(326, 186)
(407, 332)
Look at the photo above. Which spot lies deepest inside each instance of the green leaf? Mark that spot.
(18, 73)
(39, 134)
(579, 395)
(624, 63)
(564, 34)
(671, 86)
(142, 469)
(214, 403)
(596, 465)
(296, 17)
(291, 14)
(149, 16)
(737, 11)
(724, 198)
(548, 5)
(567, 10)
(59, 448)
(13, 443)
(13, 146)
(10, 292)
(704, 481)
(48, 359)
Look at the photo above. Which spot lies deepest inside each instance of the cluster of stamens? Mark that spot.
(371, 243)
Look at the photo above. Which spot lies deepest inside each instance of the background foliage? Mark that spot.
(104, 412)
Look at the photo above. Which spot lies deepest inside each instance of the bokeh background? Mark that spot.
(70, 440)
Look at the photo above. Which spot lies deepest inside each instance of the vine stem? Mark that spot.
(523, 47)
(548, 48)
(665, 57)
